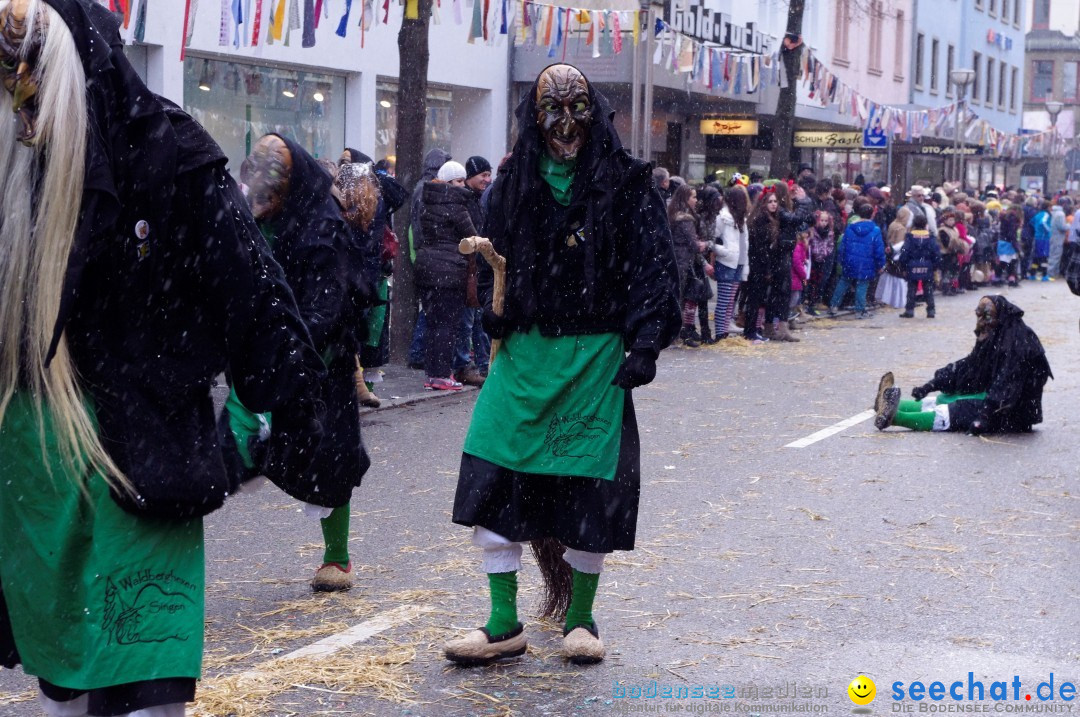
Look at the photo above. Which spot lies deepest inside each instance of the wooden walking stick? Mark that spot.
(484, 247)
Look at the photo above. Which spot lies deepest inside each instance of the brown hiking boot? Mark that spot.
(783, 333)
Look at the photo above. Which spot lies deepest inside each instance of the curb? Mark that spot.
(414, 398)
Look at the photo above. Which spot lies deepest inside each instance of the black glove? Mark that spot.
(921, 392)
(495, 326)
(295, 436)
(638, 369)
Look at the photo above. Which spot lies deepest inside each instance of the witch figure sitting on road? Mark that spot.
(997, 388)
(552, 454)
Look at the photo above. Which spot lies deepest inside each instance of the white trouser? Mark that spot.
(78, 706)
(504, 556)
(941, 413)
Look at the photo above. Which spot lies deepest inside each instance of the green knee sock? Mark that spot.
(910, 407)
(503, 603)
(581, 599)
(915, 420)
(335, 531)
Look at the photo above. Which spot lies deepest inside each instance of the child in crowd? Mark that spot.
(1041, 251)
(919, 258)
(861, 255)
(800, 268)
(822, 245)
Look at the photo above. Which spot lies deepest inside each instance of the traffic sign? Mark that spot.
(874, 138)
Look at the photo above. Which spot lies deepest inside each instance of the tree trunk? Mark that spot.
(409, 148)
(784, 120)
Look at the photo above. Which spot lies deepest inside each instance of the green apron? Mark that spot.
(548, 406)
(376, 318)
(97, 597)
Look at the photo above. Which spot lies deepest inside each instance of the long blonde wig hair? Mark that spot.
(40, 191)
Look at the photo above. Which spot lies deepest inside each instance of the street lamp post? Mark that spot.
(1053, 108)
(961, 78)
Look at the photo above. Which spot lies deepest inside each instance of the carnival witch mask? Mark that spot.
(563, 111)
(986, 319)
(18, 64)
(271, 165)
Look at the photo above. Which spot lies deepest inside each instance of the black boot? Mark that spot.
(686, 335)
(706, 335)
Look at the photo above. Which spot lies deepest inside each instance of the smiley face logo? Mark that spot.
(862, 690)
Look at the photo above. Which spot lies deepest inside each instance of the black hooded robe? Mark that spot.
(323, 264)
(168, 284)
(622, 279)
(1010, 366)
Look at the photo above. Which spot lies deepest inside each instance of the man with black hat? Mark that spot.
(472, 347)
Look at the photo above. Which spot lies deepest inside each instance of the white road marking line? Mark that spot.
(357, 633)
(831, 430)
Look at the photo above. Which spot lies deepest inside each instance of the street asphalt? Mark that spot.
(904, 557)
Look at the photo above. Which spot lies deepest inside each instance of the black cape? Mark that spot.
(1010, 366)
(323, 263)
(152, 316)
(624, 279)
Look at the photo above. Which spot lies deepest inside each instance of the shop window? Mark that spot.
(1068, 81)
(238, 103)
(1042, 79)
(136, 55)
(436, 125)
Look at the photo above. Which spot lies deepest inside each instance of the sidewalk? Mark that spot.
(402, 386)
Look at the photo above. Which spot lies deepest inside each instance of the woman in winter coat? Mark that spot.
(682, 218)
(985, 245)
(794, 213)
(892, 288)
(710, 203)
(763, 227)
(730, 249)
(442, 271)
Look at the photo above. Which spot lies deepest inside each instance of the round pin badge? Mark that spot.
(142, 229)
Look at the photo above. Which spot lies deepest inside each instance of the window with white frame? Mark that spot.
(920, 46)
(950, 64)
(898, 61)
(934, 66)
(976, 64)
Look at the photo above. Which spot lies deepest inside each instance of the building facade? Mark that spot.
(329, 96)
(1053, 65)
(984, 36)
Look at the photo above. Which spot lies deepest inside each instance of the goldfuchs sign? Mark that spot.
(693, 18)
(828, 140)
(729, 126)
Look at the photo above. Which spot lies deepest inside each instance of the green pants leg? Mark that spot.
(915, 420)
(335, 530)
(503, 617)
(581, 600)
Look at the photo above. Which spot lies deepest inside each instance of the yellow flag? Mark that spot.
(279, 20)
(412, 9)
